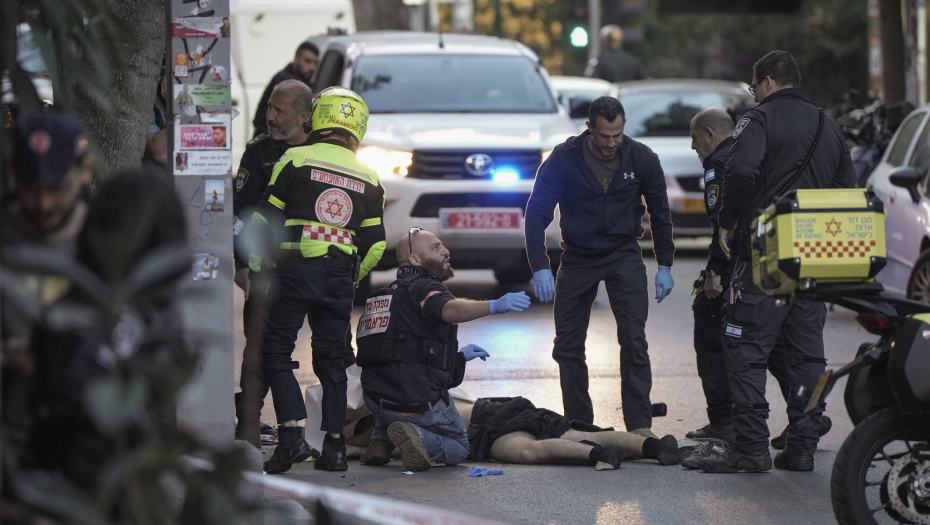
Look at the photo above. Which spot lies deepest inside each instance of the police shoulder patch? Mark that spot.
(712, 195)
(241, 178)
(708, 176)
(743, 122)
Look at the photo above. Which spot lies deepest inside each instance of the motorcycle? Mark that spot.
(869, 128)
(882, 471)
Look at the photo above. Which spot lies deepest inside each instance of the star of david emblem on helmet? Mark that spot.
(347, 110)
(833, 227)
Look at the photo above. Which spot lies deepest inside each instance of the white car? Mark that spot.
(658, 114)
(580, 90)
(900, 181)
(459, 125)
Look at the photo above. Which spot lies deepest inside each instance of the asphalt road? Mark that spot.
(640, 492)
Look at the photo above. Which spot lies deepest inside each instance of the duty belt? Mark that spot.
(417, 408)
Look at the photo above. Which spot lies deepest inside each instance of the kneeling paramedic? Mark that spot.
(329, 206)
(408, 351)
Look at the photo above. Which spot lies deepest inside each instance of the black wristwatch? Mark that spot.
(665, 263)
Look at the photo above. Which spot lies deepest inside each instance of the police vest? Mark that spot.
(380, 341)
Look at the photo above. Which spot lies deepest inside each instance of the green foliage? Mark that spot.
(828, 38)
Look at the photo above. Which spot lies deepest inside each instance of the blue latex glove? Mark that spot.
(511, 302)
(472, 351)
(481, 471)
(544, 285)
(664, 282)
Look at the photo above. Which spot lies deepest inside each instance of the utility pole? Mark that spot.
(892, 30)
(594, 25)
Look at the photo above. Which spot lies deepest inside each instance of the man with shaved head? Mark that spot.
(410, 358)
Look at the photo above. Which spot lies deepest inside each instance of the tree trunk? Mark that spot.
(371, 15)
(892, 30)
(119, 130)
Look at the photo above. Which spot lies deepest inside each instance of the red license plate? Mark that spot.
(482, 220)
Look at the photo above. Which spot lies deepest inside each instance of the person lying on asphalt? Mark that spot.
(513, 430)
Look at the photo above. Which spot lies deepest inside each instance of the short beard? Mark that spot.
(438, 269)
(281, 133)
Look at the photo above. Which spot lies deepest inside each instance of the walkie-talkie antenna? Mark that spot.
(442, 45)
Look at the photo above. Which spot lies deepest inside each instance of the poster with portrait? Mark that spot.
(213, 195)
(205, 267)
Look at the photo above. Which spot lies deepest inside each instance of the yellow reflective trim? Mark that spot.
(255, 262)
(371, 258)
(312, 248)
(278, 203)
(337, 158)
(371, 222)
(257, 217)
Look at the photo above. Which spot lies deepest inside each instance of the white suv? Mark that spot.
(459, 125)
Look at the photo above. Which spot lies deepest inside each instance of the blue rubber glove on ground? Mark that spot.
(512, 302)
(472, 351)
(476, 472)
(664, 282)
(544, 285)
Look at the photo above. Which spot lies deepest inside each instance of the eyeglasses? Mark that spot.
(752, 88)
(410, 235)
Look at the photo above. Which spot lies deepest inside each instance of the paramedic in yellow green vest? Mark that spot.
(329, 206)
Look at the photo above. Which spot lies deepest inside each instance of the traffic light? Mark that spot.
(579, 37)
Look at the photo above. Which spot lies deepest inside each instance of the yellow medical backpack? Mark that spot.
(816, 237)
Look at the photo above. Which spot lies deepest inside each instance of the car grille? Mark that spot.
(429, 203)
(691, 183)
(450, 164)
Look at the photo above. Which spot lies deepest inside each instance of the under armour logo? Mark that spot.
(628, 176)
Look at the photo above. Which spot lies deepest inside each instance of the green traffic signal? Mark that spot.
(579, 37)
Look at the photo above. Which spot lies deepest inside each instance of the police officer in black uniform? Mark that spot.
(329, 207)
(300, 69)
(409, 354)
(288, 109)
(711, 138)
(771, 143)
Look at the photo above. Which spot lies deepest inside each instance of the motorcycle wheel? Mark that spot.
(886, 449)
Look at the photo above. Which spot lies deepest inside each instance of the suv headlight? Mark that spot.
(385, 160)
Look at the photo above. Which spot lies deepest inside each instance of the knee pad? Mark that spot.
(330, 371)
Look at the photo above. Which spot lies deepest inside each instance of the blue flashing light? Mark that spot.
(505, 175)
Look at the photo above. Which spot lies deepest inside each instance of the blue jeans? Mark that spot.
(441, 430)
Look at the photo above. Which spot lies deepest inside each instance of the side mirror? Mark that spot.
(906, 177)
(578, 107)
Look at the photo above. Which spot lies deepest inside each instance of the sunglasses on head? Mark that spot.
(410, 235)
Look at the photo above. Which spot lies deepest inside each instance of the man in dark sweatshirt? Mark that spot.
(599, 180)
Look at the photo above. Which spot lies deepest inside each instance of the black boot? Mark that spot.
(612, 456)
(333, 457)
(787, 460)
(292, 448)
(734, 460)
(721, 430)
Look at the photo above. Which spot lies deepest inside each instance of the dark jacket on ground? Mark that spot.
(498, 416)
(771, 142)
(592, 222)
(616, 65)
(417, 376)
(288, 73)
(713, 186)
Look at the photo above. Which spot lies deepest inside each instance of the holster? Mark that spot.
(742, 245)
